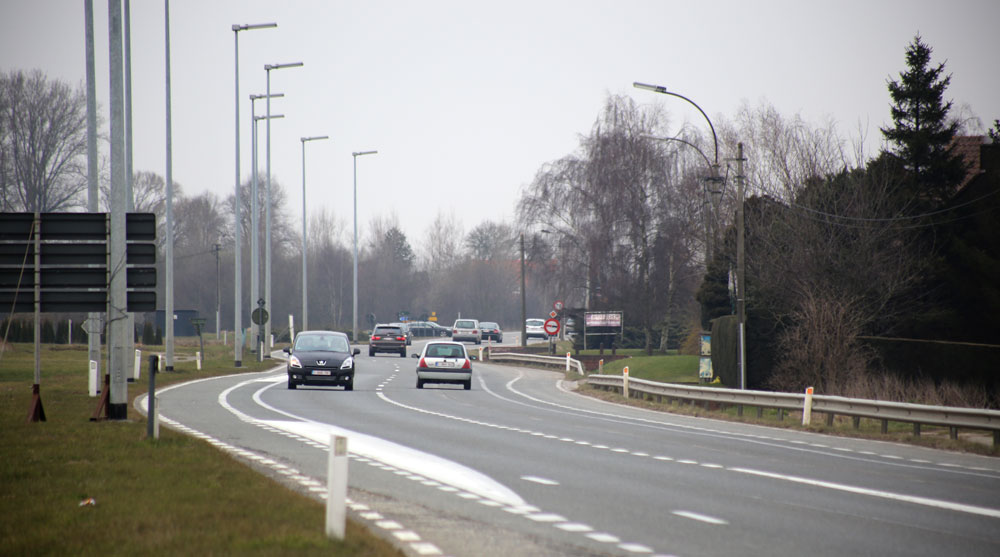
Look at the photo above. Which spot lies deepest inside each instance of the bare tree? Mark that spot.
(43, 143)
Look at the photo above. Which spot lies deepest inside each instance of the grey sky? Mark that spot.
(466, 100)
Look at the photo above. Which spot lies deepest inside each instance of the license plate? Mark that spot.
(321, 372)
(444, 364)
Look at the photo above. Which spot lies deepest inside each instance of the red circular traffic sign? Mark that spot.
(551, 327)
(558, 306)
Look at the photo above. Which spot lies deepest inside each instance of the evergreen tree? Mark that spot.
(921, 134)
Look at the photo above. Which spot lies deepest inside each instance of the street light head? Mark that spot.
(648, 87)
(265, 95)
(359, 153)
(249, 26)
(314, 138)
(272, 117)
(270, 67)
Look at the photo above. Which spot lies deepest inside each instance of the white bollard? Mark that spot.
(161, 358)
(138, 364)
(225, 338)
(92, 379)
(156, 418)
(291, 327)
(197, 360)
(70, 339)
(807, 407)
(480, 353)
(600, 367)
(271, 339)
(336, 485)
(567, 361)
(625, 381)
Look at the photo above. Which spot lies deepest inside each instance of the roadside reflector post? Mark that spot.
(567, 361)
(807, 407)
(600, 367)
(137, 364)
(625, 381)
(336, 485)
(92, 379)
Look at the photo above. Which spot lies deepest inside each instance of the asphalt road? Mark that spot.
(522, 465)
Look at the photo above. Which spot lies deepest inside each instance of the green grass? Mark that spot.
(175, 495)
(665, 369)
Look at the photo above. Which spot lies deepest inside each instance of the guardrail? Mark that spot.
(565, 362)
(916, 414)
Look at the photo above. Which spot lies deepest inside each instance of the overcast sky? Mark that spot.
(466, 100)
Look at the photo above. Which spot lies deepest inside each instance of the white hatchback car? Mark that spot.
(444, 362)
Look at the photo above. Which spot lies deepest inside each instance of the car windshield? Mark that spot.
(445, 351)
(323, 343)
(535, 322)
(465, 324)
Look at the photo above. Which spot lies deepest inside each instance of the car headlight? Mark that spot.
(293, 361)
(348, 363)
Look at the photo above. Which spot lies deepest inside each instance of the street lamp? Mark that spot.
(267, 208)
(354, 319)
(255, 214)
(524, 308)
(237, 308)
(740, 294)
(305, 295)
(255, 295)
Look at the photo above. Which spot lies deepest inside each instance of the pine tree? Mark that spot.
(922, 134)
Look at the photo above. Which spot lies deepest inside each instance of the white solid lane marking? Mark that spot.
(971, 509)
(604, 537)
(700, 517)
(574, 527)
(537, 480)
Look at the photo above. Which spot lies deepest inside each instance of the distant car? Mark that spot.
(535, 328)
(387, 338)
(466, 330)
(444, 362)
(439, 329)
(405, 327)
(420, 329)
(321, 358)
(491, 331)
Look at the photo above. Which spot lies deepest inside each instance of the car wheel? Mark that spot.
(291, 385)
(349, 386)
(402, 353)
(500, 340)
(468, 384)
(420, 383)
(371, 353)
(478, 341)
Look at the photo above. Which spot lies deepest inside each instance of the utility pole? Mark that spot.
(741, 270)
(117, 301)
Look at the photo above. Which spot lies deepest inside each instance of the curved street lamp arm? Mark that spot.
(663, 90)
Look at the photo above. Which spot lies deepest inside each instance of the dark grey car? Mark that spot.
(387, 338)
(322, 358)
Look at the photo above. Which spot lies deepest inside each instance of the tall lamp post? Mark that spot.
(305, 290)
(524, 307)
(255, 214)
(354, 319)
(267, 208)
(740, 294)
(237, 307)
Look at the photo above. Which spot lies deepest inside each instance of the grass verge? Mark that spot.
(175, 495)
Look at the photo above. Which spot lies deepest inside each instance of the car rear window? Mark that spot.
(445, 351)
(464, 324)
(388, 331)
(489, 325)
(535, 322)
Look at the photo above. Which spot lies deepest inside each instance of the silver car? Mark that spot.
(466, 330)
(444, 362)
